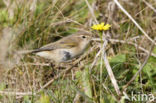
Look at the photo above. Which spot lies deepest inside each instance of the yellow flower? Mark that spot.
(101, 27)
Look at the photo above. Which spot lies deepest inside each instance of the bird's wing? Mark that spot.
(66, 43)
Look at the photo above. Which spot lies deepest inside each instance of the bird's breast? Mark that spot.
(61, 55)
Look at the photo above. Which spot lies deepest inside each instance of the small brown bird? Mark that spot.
(66, 48)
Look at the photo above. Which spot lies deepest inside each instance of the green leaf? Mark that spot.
(26, 99)
(108, 99)
(44, 99)
(154, 50)
(86, 82)
(118, 58)
(2, 86)
(150, 71)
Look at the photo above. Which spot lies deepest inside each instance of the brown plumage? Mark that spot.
(66, 48)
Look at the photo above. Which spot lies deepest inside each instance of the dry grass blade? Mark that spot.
(138, 26)
(95, 59)
(150, 6)
(131, 43)
(91, 11)
(109, 69)
(54, 78)
(127, 42)
(17, 93)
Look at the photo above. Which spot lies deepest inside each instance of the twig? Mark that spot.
(91, 11)
(127, 42)
(17, 93)
(131, 43)
(140, 69)
(109, 69)
(139, 27)
(54, 78)
(109, 91)
(95, 59)
(35, 64)
(150, 6)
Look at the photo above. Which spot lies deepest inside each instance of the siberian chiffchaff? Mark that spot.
(66, 48)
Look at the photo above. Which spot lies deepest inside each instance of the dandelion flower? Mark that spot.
(101, 27)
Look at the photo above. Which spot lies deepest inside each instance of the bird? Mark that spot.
(65, 49)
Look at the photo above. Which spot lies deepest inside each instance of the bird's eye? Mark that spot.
(83, 36)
